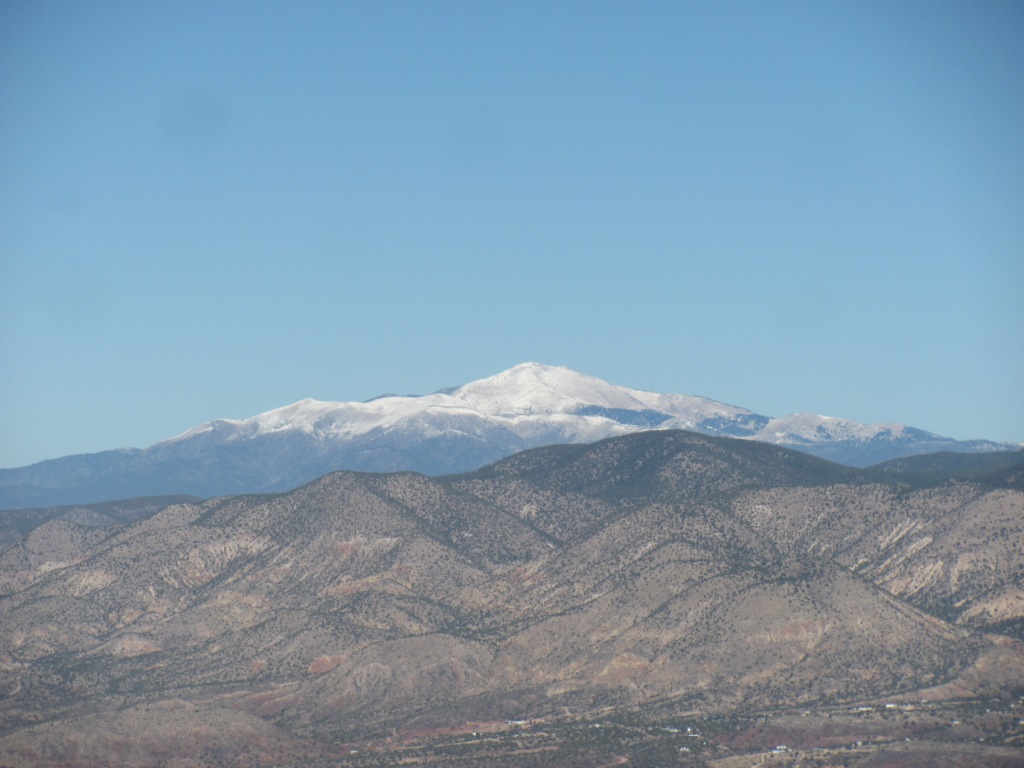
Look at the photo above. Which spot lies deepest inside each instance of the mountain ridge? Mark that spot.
(455, 429)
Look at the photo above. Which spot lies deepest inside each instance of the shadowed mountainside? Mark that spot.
(1001, 469)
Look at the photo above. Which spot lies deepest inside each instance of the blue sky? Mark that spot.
(212, 209)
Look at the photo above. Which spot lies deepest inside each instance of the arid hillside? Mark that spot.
(570, 605)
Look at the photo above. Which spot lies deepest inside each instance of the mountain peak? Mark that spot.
(537, 388)
(524, 373)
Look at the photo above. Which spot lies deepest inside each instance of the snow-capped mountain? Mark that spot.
(452, 430)
(534, 403)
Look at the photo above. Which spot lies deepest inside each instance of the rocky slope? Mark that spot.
(658, 576)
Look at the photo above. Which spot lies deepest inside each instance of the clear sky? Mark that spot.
(211, 209)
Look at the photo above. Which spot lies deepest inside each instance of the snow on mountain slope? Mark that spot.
(813, 428)
(322, 419)
(530, 397)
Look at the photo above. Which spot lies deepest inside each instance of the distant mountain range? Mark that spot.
(453, 430)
